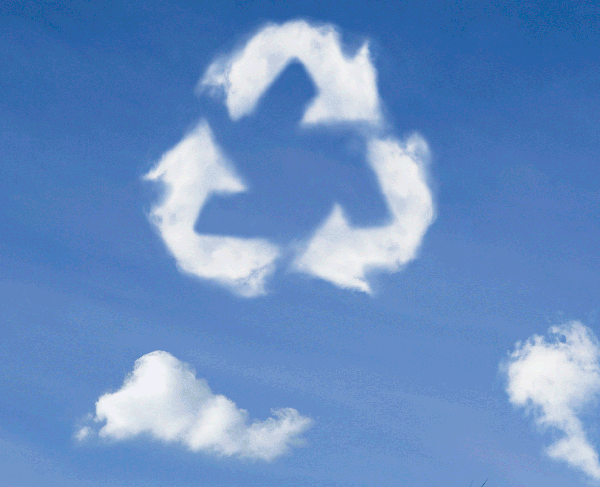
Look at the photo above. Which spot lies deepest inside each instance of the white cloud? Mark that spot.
(556, 380)
(191, 172)
(163, 398)
(83, 433)
(346, 86)
(343, 254)
(346, 92)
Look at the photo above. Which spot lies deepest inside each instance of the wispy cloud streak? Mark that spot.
(163, 398)
(555, 380)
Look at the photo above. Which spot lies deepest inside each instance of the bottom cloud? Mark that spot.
(555, 379)
(162, 398)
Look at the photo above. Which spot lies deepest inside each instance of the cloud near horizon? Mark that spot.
(555, 380)
(163, 398)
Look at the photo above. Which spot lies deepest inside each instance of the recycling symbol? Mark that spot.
(346, 94)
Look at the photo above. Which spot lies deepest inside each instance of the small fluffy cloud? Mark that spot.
(556, 379)
(343, 254)
(163, 398)
(191, 172)
(346, 86)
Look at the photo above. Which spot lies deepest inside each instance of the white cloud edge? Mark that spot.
(191, 172)
(554, 380)
(346, 86)
(337, 252)
(162, 398)
(343, 254)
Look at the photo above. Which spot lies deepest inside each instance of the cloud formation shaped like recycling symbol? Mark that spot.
(338, 252)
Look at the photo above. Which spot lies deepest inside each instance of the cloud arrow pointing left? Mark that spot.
(191, 172)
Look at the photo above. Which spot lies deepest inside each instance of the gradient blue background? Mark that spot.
(404, 386)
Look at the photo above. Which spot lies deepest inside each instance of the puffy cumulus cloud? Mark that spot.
(163, 398)
(343, 254)
(346, 86)
(556, 379)
(191, 172)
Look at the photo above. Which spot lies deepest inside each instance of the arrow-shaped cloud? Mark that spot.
(346, 94)
(342, 254)
(191, 172)
(346, 86)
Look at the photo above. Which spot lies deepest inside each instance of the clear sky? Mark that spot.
(331, 223)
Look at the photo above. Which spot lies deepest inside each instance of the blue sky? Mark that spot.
(418, 383)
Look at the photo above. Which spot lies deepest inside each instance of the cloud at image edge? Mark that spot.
(554, 380)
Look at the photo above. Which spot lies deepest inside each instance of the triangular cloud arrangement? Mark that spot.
(347, 93)
(162, 398)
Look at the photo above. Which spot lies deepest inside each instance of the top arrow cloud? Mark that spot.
(346, 86)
